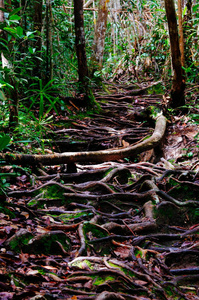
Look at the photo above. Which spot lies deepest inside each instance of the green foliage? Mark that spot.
(136, 43)
(195, 118)
(43, 96)
(4, 185)
(4, 141)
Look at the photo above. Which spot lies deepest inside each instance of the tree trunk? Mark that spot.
(1, 12)
(80, 41)
(181, 38)
(100, 32)
(13, 104)
(49, 50)
(188, 24)
(12, 93)
(85, 89)
(2, 19)
(178, 85)
(37, 20)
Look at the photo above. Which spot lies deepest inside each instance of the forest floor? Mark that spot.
(125, 229)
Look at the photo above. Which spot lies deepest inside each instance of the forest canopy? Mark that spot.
(38, 49)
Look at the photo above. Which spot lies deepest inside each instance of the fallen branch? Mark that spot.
(90, 156)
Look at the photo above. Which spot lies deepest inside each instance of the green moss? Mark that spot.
(184, 192)
(108, 171)
(42, 272)
(67, 217)
(97, 231)
(47, 243)
(18, 243)
(32, 202)
(156, 89)
(91, 101)
(81, 264)
(101, 280)
(53, 191)
(170, 291)
(92, 232)
(124, 270)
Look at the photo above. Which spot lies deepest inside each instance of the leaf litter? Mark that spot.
(115, 230)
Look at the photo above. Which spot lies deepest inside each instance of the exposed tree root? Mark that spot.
(91, 156)
(112, 230)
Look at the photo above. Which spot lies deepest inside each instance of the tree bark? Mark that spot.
(37, 20)
(91, 156)
(188, 24)
(181, 37)
(80, 41)
(12, 93)
(1, 12)
(84, 88)
(13, 104)
(100, 32)
(2, 19)
(49, 49)
(178, 85)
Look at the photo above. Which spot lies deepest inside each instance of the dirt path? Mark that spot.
(125, 229)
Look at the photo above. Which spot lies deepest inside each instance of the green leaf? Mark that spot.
(195, 8)
(2, 96)
(14, 18)
(5, 84)
(15, 11)
(190, 154)
(28, 33)
(20, 31)
(31, 50)
(4, 141)
(10, 30)
(3, 9)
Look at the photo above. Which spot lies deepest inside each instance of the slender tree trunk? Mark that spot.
(13, 104)
(178, 85)
(80, 41)
(12, 93)
(37, 19)
(188, 24)
(181, 37)
(37, 23)
(2, 19)
(1, 12)
(100, 31)
(89, 99)
(49, 65)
